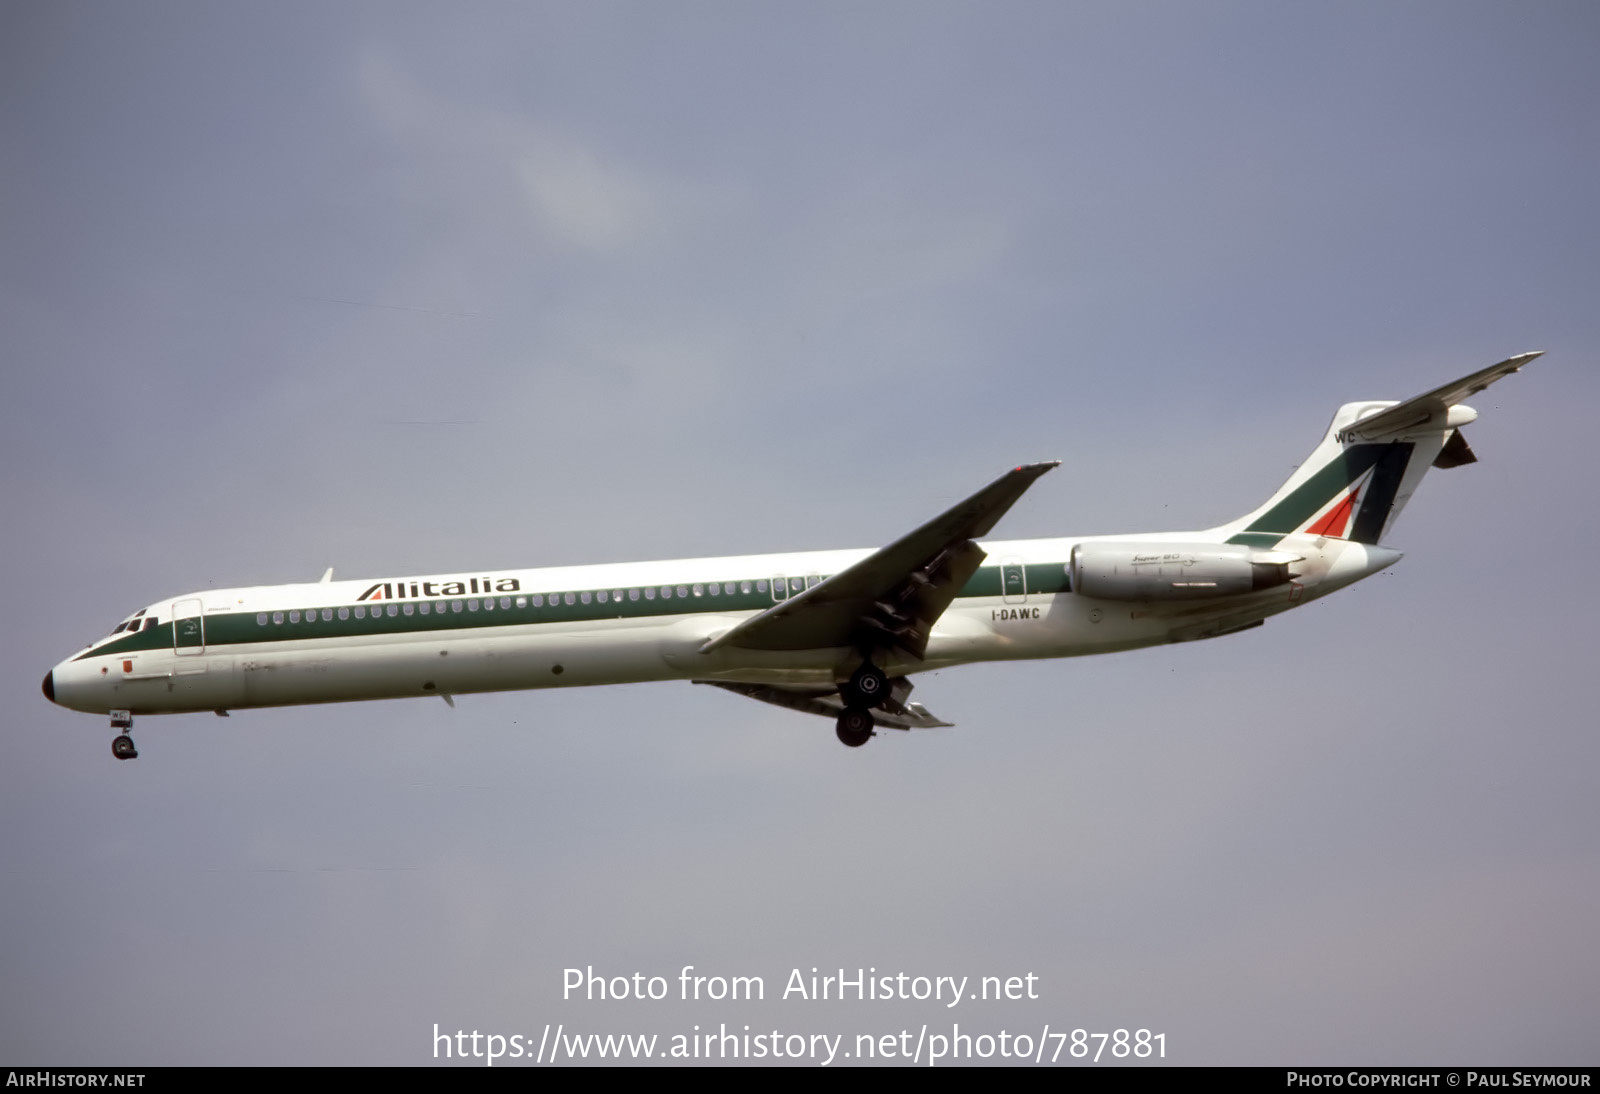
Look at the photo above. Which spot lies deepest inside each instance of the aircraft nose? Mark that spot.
(50, 685)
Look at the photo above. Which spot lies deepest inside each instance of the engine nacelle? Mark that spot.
(1175, 571)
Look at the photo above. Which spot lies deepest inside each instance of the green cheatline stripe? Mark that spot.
(1303, 502)
(231, 628)
(1257, 539)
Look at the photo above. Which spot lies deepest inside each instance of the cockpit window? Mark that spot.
(133, 623)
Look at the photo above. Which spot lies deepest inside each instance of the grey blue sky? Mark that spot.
(408, 288)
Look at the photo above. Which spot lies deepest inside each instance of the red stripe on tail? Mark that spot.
(1337, 518)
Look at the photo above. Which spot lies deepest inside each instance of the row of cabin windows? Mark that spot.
(537, 600)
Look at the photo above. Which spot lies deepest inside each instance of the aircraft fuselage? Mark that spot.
(499, 630)
(832, 633)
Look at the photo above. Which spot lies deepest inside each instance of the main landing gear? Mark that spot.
(122, 748)
(866, 689)
(854, 727)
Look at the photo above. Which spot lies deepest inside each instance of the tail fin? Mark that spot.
(1369, 463)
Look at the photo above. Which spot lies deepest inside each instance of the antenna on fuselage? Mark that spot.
(327, 576)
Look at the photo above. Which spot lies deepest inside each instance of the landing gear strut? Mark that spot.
(122, 748)
(867, 688)
(854, 727)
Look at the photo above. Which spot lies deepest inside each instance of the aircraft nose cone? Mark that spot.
(50, 685)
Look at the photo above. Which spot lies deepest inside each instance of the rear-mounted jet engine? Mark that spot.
(1176, 571)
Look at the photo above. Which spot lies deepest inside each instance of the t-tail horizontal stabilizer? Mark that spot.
(1369, 463)
(1431, 411)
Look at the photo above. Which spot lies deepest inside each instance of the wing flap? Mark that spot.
(829, 705)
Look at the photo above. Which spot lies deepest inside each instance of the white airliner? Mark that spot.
(835, 633)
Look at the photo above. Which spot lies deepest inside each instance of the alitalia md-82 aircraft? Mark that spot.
(835, 633)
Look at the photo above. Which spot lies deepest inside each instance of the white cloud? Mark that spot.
(580, 200)
(574, 194)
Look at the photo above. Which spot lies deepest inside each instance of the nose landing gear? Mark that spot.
(122, 747)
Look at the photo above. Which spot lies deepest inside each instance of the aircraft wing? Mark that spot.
(893, 596)
(1418, 412)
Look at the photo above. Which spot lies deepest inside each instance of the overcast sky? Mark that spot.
(409, 288)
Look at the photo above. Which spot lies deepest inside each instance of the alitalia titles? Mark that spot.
(475, 586)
